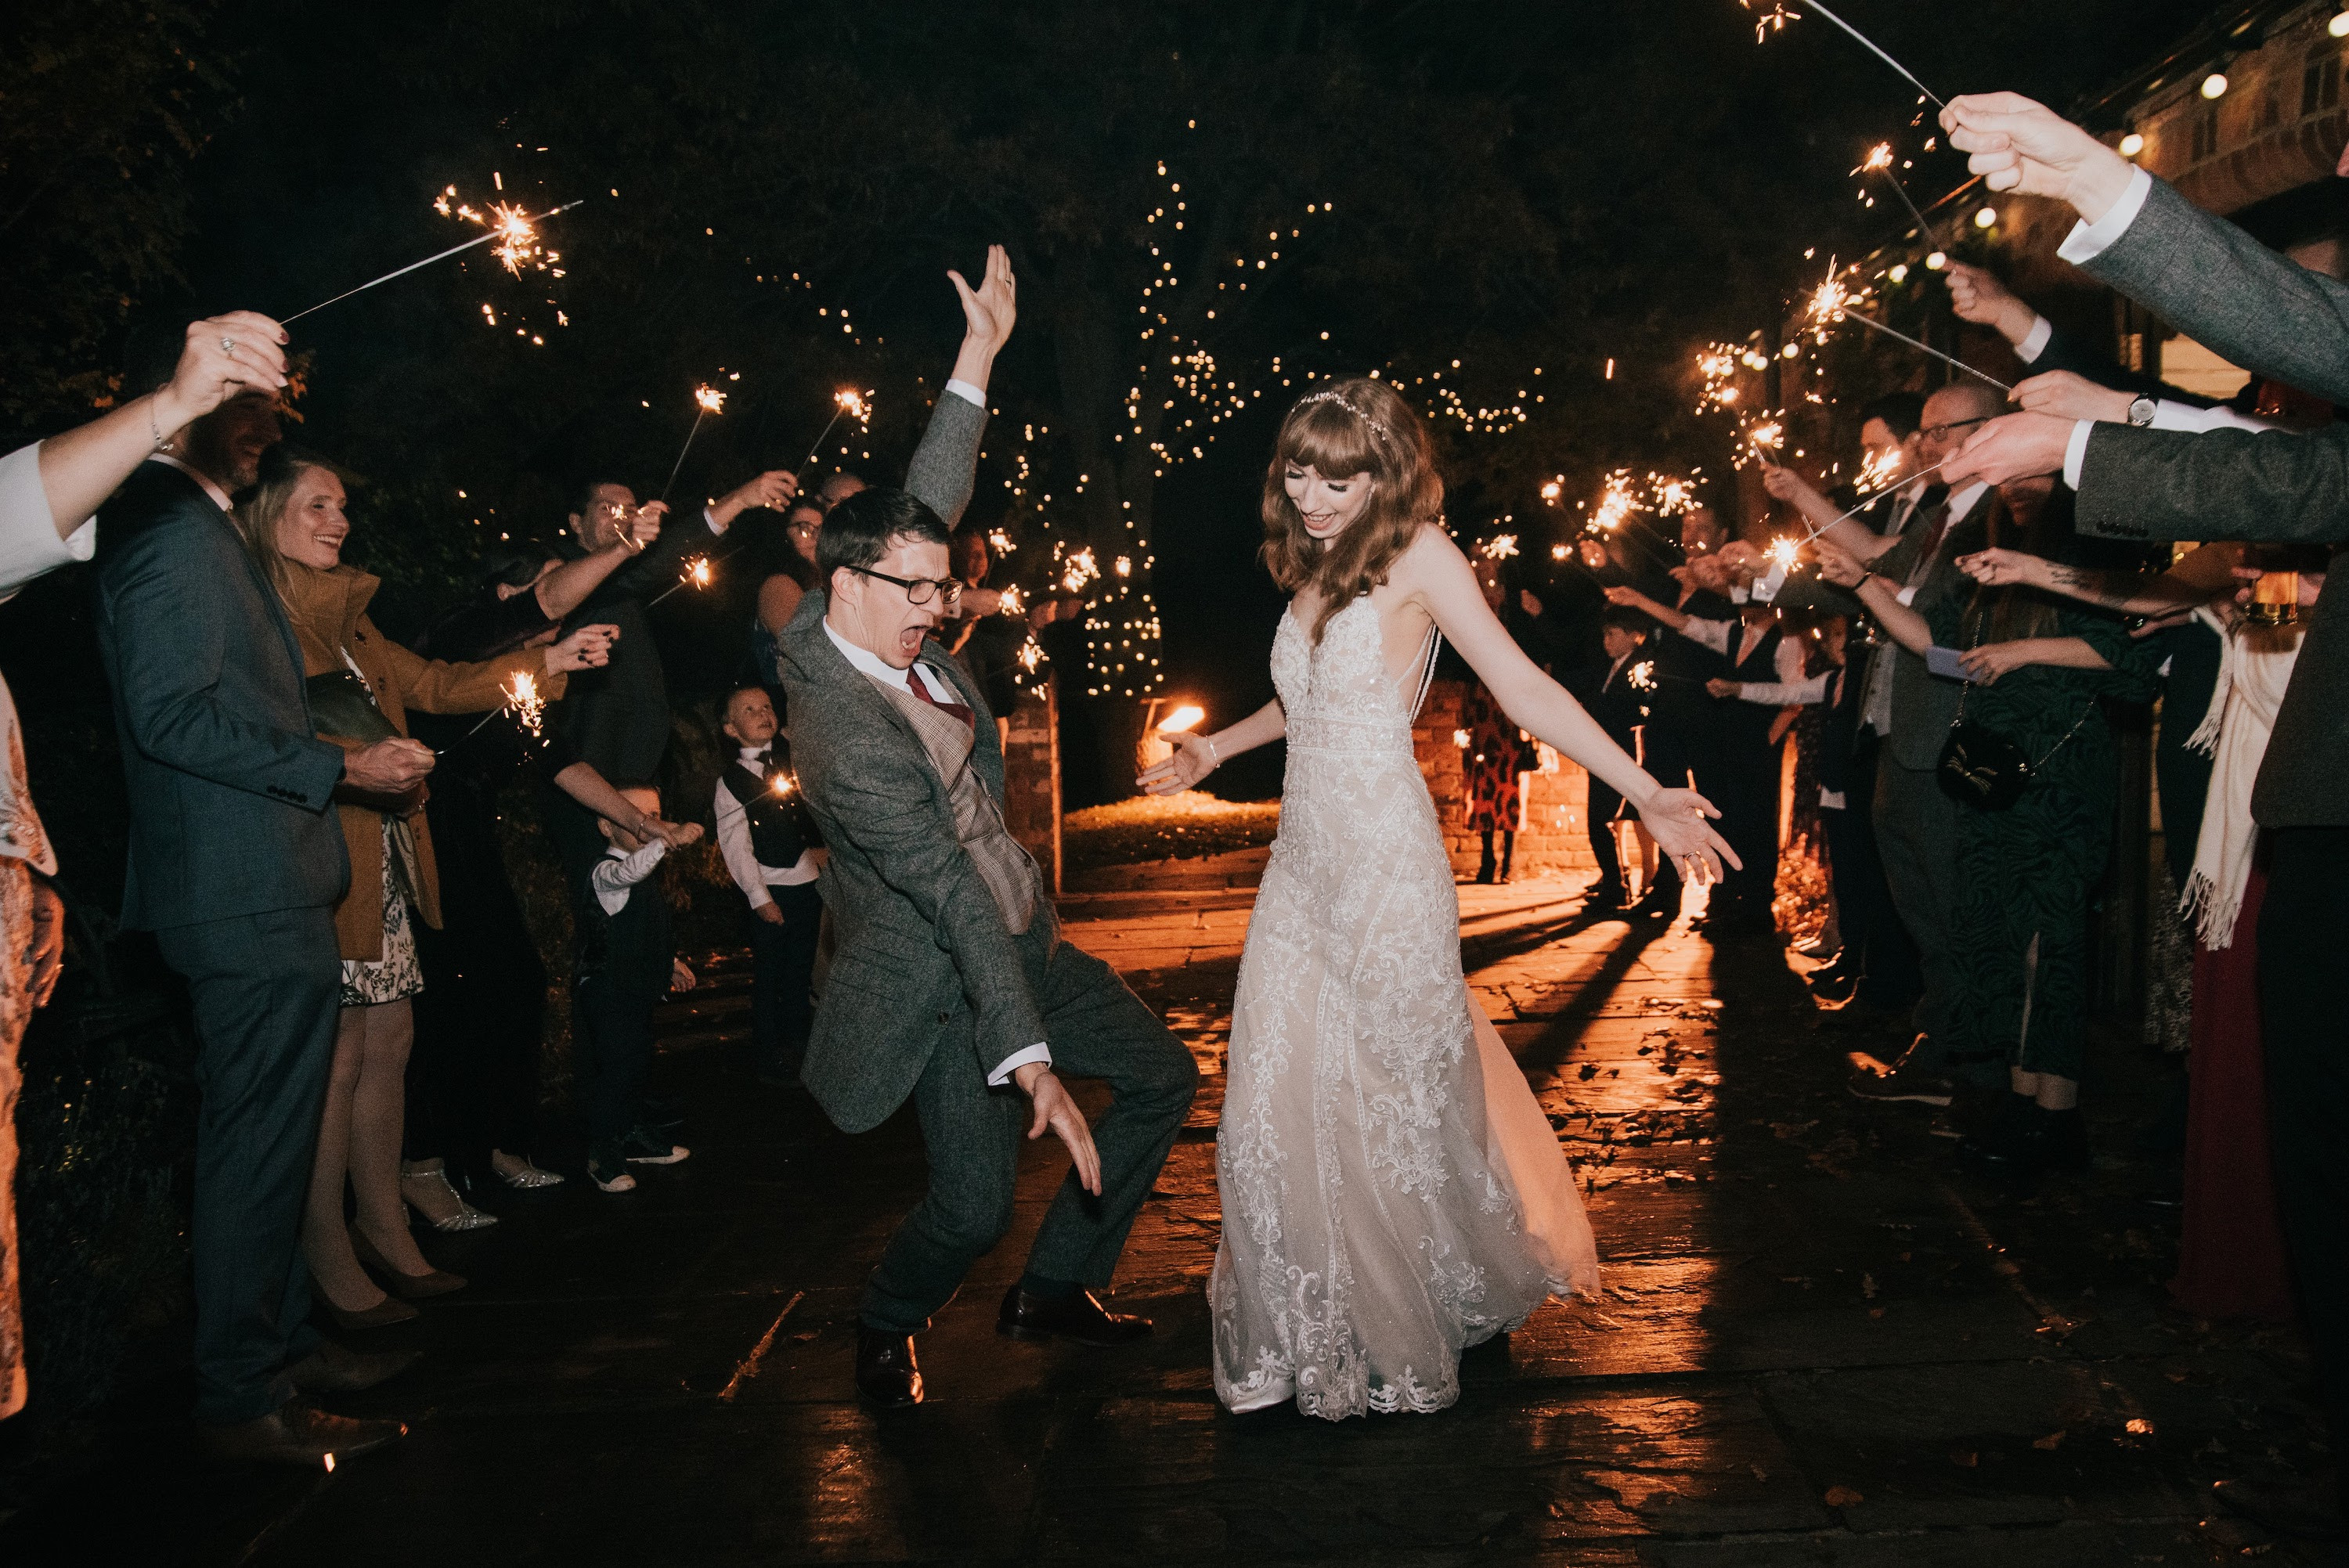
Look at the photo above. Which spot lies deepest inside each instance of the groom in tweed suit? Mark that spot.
(951, 986)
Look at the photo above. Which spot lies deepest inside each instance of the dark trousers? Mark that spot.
(264, 988)
(2304, 932)
(1876, 946)
(623, 973)
(1098, 1029)
(1917, 838)
(1604, 803)
(783, 972)
(1747, 796)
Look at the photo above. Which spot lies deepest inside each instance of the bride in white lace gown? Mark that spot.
(1392, 1192)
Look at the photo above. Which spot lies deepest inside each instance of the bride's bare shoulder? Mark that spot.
(1430, 557)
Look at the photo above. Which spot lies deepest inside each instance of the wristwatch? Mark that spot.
(2141, 411)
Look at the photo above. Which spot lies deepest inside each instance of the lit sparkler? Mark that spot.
(1832, 303)
(1616, 504)
(847, 403)
(1761, 437)
(707, 400)
(1643, 675)
(1775, 20)
(512, 231)
(1781, 553)
(1079, 570)
(1500, 547)
(1717, 363)
(782, 785)
(1672, 495)
(1879, 162)
(696, 575)
(1880, 467)
(522, 700)
(1014, 602)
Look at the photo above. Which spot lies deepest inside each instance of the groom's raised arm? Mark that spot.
(891, 814)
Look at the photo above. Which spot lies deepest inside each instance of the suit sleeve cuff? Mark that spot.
(2087, 241)
(2075, 451)
(1039, 1052)
(2034, 342)
(968, 393)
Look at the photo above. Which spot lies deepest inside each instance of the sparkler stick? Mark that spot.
(523, 699)
(697, 573)
(1879, 160)
(1948, 359)
(1869, 500)
(846, 401)
(504, 232)
(1867, 43)
(707, 400)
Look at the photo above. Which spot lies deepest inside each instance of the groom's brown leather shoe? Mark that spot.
(296, 1434)
(1081, 1317)
(885, 1370)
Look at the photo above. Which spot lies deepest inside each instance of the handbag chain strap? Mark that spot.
(1964, 686)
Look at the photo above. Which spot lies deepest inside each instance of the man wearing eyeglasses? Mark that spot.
(951, 985)
(1909, 710)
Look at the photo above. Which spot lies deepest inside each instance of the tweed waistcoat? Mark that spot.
(1006, 867)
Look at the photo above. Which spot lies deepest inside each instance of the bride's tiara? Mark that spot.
(1331, 395)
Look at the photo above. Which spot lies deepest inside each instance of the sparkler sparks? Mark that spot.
(847, 403)
(782, 785)
(1781, 553)
(1673, 495)
(1775, 20)
(1880, 467)
(522, 700)
(508, 228)
(1079, 570)
(1760, 436)
(1616, 504)
(1014, 603)
(707, 400)
(1717, 363)
(1879, 162)
(1643, 675)
(1500, 547)
(697, 573)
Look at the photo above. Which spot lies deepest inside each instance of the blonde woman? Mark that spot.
(296, 525)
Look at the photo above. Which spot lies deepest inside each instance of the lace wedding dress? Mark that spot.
(1391, 1192)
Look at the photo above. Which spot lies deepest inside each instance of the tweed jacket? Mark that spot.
(328, 610)
(229, 788)
(921, 934)
(2219, 286)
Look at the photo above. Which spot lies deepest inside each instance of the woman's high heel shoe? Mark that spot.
(407, 1287)
(431, 1194)
(382, 1314)
(517, 1171)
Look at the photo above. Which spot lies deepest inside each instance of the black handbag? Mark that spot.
(1982, 768)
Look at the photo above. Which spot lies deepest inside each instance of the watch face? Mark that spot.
(2140, 412)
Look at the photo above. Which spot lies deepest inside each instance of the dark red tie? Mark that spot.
(1936, 523)
(921, 689)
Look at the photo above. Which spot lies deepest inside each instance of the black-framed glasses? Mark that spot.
(919, 590)
(1941, 432)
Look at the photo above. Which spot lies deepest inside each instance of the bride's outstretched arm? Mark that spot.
(1434, 574)
(1196, 756)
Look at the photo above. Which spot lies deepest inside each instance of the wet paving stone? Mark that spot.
(1814, 1343)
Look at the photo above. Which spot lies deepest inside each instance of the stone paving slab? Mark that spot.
(1813, 1343)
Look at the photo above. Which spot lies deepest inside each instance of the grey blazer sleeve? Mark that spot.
(2216, 484)
(946, 465)
(171, 644)
(2233, 295)
(893, 819)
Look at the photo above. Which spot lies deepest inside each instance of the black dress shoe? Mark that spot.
(295, 1434)
(333, 1369)
(1081, 1317)
(885, 1372)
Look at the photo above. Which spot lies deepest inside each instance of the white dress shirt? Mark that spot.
(734, 846)
(617, 873)
(1715, 635)
(881, 669)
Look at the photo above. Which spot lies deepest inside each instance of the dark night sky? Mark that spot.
(1672, 171)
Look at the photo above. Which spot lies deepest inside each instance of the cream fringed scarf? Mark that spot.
(2254, 668)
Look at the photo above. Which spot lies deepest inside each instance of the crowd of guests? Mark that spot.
(1950, 654)
(315, 841)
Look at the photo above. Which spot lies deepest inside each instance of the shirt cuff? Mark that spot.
(1039, 1052)
(968, 393)
(2087, 241)
(2075, 451)
(711, 522)
(2173, 416)
(2034, 342)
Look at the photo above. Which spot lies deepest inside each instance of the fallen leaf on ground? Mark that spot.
(2051, 1441)
(1843, 1497)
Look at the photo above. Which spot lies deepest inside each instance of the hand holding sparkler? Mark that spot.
(2069, 395)
(389, 767)
(1976, 295)
(2020, 145)
(225, 356)
(589, 647)
(2012, 447)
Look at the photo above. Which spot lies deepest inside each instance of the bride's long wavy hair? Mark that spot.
(1358, 425)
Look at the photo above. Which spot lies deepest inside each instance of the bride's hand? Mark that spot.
(1676, 820)
(1194, 759)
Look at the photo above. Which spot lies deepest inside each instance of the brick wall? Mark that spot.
(1552, 842)
(1031, 779)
